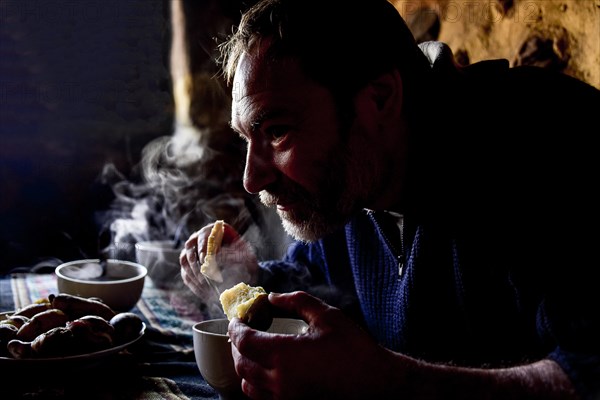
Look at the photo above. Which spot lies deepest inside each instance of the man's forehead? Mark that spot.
(258, 72)
(264, 83)
(250, 77)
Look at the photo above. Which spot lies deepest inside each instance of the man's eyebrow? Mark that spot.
(263, 116)
(259, 120)
(256, 123)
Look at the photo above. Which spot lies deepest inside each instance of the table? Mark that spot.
(160, 365)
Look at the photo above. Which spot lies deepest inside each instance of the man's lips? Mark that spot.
(285, 206)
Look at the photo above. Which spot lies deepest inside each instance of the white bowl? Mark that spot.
(120, 287)
(212, 350)
(161, 258)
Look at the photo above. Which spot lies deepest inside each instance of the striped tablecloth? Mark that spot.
(159, 366)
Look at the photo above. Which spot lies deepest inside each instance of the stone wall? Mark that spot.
(558, 34)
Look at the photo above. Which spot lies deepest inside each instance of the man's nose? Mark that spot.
(259, 171)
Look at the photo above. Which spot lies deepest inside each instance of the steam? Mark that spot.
(193, 177)
(183, 182)
(168, 196)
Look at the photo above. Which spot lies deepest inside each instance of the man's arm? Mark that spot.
(336, 359)
(540, 380)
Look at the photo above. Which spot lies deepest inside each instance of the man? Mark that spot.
(446, 209)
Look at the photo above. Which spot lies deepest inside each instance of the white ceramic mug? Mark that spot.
(213, 353)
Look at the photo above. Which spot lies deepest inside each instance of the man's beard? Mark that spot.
(312, 216)
(348, 183)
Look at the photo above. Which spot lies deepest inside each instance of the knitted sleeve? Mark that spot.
(300, 269)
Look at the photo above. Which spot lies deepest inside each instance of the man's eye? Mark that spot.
(277, 131)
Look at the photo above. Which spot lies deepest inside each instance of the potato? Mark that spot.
(41, 323)
(92, 333)
(127, 327)
(77, 307)
(16, 320)
(248, 303)
(8, 332)
(32, 309)
(19, 349)
(57, 342)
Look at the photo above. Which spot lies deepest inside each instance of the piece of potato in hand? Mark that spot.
(210, 266)
(248, 303)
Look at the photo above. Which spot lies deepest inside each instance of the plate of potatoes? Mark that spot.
(65, 329)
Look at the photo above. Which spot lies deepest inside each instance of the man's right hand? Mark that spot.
(236, 257)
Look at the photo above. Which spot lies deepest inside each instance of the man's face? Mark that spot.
(299, 160)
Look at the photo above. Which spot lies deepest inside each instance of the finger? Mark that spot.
(255, 392)
(191, 240)
(192, 284)
(183, 258)
(256, 380)
(191, 275)
(307, 307)
(201, 238)
(250, 370)
(251, 343)
(230, 235)
(192, 236)
(186, 269)
(193, 264)
(190, 245)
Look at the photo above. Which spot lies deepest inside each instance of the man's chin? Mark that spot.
(309, 230)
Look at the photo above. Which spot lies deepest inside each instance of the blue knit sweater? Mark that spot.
(500, 236)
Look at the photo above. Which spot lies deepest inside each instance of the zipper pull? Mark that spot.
(400, 266)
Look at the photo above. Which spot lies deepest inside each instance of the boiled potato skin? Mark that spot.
(127, 326)
(41, 323)
(8, 332)
(32, 309)
(77, 307)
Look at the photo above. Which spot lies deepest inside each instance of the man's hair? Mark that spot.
(340, 44)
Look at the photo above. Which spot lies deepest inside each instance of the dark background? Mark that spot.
(84, 85)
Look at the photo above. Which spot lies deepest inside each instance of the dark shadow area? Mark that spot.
(82, 85)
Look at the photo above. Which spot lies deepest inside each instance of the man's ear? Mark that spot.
(387, 93)
(378, 105)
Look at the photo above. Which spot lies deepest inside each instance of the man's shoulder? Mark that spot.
(442, 61)
(497, 76)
